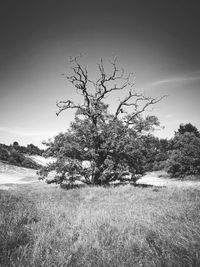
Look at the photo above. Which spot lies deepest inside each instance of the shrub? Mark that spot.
(18, 157)
(184, 159)
(12, 161)
(4, 155)
(28, 163)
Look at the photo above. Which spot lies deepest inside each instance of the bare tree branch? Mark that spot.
(148, 101)
(136, 102)
(102, 87)
(63, 105)
(80, 79)
(102, 82)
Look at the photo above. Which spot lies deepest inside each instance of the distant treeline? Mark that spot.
(15, 155)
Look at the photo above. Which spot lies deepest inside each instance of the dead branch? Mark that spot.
(148, 101)
(136, 102)
(102, 87)
(63, 105)
(102, 82)
(80, 79)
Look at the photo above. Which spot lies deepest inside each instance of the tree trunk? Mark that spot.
(96, 177)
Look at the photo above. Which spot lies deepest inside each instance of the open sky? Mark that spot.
(157, 40)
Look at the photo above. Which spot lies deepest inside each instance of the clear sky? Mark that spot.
(157, 40)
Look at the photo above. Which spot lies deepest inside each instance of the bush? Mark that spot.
(12, 161)
(18, 157)
(28, 163)
(4, 155)
(184, 159)
(33, 150)
(160, 165)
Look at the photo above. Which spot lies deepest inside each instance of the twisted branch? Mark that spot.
(102, 87)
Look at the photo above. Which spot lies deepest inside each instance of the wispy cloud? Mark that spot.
(188, 77)
(23, 133)
(169, 116)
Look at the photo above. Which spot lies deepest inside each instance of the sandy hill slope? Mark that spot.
(40, 160)
(161, 179)
(14, 174)
(10, 174)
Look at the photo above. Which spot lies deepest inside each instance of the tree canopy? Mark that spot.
(188, 128)
(184, 157)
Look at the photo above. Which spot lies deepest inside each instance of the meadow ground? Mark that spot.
(43, 225)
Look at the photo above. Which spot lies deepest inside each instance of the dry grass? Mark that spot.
(121, 226)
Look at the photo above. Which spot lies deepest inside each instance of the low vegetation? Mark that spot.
(16, 155)
(97, 226)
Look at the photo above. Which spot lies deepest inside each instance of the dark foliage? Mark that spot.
(188, 128)
(184, 159)
(180, 156)
(28, 163)
(4, 155)
(15, 155)
(34, 150)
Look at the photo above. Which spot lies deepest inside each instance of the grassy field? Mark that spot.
(44, 225)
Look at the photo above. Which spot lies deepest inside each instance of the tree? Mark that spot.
(155, 151)
(33, 150)
(101, 146)
(17, 156)
(4, 155)
(15, 144)
(184, 159)
(188, 128)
